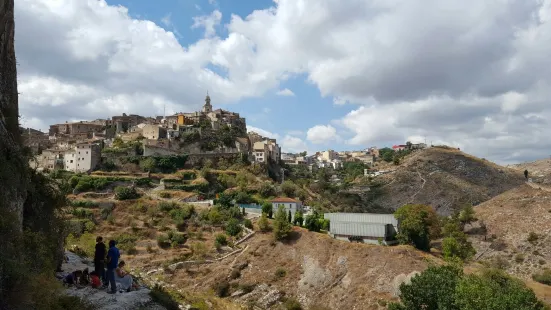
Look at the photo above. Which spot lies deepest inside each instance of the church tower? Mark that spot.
(207, 108)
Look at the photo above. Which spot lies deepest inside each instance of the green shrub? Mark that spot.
(164, 298)
(167, 206)
(222, 289)
(280, 273)
(544, 277)
(165, 195)
(82, 213)
(532, 237)
(519, 258)
(163, 241)
(126, 193)
(233, 228)
(292, 304)
(247, 223)
(89, 226)
(126, 242)
(220, 240)
(84, 245)
(84, 203)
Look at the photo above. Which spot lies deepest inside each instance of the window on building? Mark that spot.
(86, 152)
(71, 161)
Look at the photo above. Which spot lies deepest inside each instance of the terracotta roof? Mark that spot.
(284, 199)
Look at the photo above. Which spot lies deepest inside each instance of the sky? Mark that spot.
(314, 74)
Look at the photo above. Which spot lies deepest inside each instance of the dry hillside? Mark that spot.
(445, 179)
(510, 218)
(312, 268)
(539, 170)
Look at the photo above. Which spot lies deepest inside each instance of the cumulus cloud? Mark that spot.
(466, 72)
(262, 132)
(292, 144)
(285, 92)
(321, 134)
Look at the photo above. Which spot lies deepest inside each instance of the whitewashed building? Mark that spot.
(83, 158)
(289, 204)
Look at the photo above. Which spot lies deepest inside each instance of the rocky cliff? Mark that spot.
(13, 179)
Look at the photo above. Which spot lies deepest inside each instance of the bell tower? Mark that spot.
(207, 107)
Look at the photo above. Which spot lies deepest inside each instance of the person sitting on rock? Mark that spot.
(123, 278)
(72, 278)
(85, 278)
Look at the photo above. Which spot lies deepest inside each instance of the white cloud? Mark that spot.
(285, 92)
(468, 72)
(291, 144)
(321, 134)
(262, 132)
(209, 22)
(167, 20)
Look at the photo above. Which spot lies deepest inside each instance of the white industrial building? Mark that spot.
(367, 227)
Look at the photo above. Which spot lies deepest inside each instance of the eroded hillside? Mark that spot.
(518, 236)
(445, 179)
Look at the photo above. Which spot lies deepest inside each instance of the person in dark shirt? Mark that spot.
(526, 174)
(113, 256)
(99, 259)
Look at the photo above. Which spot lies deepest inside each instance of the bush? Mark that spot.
(247, 223)
(126, 193)
(519, 258)
(165, 194)
(164, 298)
(167, 206)
(533, 237)
(222, 289)
(233, 228)
(280, 273)
(220, 240)
(263, 223)
(85, 243)
(543, 277)
(126, 242)
(292, 304)
(84, 203)
(163, 241)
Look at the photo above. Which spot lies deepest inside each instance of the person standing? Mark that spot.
(99, 259)
(526, 174)
(113, 256)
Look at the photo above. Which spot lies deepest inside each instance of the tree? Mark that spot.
(387, 154)
(303, 153)
(299, 218)
(455, 244)
(148, 164)
(267, 209)
(495, 290)
(288, 188)
(290, 217)
(263, 223)
(396, 160)
(467, 215)
(312, 222)
(266, 190)
(433, 289)
(224, 201)
(418, 225)
(282, 227)
(233, 228)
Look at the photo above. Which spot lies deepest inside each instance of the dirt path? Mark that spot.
(422, 186)
(538, 186)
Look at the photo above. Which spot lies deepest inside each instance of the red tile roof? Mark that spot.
(284, 199)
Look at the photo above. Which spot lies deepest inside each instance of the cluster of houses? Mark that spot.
(331, 158)
(77, 146)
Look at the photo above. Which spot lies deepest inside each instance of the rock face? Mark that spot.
(13, 178)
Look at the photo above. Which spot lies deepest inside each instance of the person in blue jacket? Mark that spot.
(113, 256)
